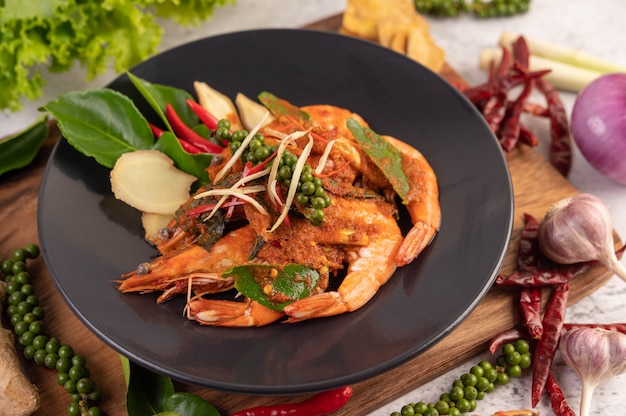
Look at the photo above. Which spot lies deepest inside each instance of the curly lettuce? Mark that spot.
(97, 34)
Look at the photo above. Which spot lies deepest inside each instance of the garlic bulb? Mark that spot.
(578, 229)
(596, 355)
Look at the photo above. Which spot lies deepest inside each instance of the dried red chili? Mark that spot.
(320, 404)
(552, 274)
(547, 345)
(557, 398)
(528, 250)
(561, 140)
(510, 335)
(530, 303)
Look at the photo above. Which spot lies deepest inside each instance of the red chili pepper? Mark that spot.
(553, 274)
(528, 251)
(557, 398)
(196, 211)
(261, 166)
(553, 320)
(527, 137)
(530, 303)
(187, 134)
(320, 404)
(203, 114)
(510, 335)
(509, 133)
(188, 147)
(561, 140)
(618, 327)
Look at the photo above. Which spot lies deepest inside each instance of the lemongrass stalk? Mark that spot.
(567, 55)
(562, 76)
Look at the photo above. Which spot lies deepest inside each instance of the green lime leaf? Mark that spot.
(147, 391)
(384, 155)
(101, 123)
(288, 283)
(19, 150)
(158, 96)
(280, 107)
(187, 404)
(193, 164)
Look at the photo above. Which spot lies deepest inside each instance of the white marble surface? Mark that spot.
(595, 27)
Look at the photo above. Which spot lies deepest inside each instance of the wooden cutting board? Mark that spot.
(536, 186)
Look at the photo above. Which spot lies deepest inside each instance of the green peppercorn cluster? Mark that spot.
(472, 386)
(26, 317)
(480, 8)
(310, 192)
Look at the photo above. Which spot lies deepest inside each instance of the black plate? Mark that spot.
(89, 238)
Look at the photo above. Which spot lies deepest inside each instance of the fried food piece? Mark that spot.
(394, 24)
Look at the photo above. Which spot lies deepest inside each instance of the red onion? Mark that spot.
(599, 125)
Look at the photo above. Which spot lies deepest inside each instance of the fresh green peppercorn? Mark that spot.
(223, 133)
(73, 409)
(78, 360)
(508, 349)
(20, 327)
(52, 346)
(76, 373)
(15, 318)
(65, 351)
(454, 411)
(514, 371)
(482, 384)
(84, 385)
(442, 407)
(19, 254)
(29, 352)
(63, 365)
(7, 267)
(431, 411)
(27, 289)
(512, 358)
(525, 361)
(502, 379)
(477, 370)
(463, 405)
(70, 386)
(420, 407)
(18, 266)
(40, 356)
(456, 393)
(469, 379)
(51, 360)
(94, 411)
(26, 339)
(223, 123)
(32, 251)
(36, 327)
(470, 392)
(22, 277)
(407, 410)
(62, 378)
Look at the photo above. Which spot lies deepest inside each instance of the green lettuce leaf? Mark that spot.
(97, 34)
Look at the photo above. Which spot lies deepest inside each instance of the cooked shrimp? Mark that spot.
(172, 273)
(370, 267)
(230, 313)
(423, 202)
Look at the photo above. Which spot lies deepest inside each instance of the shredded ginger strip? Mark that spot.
(295, 178)
(244, 144)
